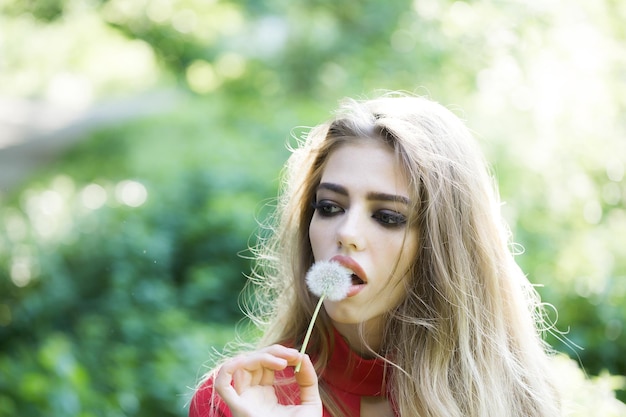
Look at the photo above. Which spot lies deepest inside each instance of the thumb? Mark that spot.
(307, 381)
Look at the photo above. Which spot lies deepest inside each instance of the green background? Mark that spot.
(123, 254)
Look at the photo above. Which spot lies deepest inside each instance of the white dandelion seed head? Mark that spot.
(329, 278)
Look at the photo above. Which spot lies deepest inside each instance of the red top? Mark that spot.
(348, 376)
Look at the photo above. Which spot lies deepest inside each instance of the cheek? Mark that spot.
(400, 272)
(405, 251)
(397, 248)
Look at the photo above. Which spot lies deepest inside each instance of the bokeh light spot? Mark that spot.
(231, 65)
(159, 11)
(185, 21)
(131, 193)
(592, 212)
(615, 169)
(613, 329)
(20, 272)
(51, 203)
(427, 9)
(93, 196)
(201, 77)
(16, 227)
(611, 193)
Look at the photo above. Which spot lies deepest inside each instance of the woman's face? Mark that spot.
(360, 220)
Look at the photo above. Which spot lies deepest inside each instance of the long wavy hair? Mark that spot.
(466, 339)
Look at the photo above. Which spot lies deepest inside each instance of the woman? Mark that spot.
(439, 320)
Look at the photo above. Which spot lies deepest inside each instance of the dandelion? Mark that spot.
(326, 280)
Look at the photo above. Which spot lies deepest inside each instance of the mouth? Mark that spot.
(358, 277)
(356, 280)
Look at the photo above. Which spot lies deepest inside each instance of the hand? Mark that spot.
(246, 382)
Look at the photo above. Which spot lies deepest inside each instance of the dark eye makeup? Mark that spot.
(327, 208)
(387, 218)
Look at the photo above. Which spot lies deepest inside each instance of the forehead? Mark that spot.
(366, 164)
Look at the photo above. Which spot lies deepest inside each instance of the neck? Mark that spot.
(362, 342)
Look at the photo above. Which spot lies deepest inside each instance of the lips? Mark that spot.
(359, 279)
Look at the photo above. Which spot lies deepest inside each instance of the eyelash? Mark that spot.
(386, 218)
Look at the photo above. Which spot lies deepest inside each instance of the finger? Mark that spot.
(245, 378)
(307, 381)
(253, 369)
(225, 390)
(256, 368)
(261, 360)
(281, 351)
(267, 376)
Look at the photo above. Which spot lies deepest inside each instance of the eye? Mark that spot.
(389, 218)
(327, 208)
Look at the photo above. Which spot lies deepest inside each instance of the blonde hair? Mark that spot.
(466, 338)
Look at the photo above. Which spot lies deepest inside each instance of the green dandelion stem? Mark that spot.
(310, 329)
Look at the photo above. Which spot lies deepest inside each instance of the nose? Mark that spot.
(351, 232)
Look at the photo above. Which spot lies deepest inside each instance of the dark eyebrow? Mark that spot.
(336, 188)
(375, 196)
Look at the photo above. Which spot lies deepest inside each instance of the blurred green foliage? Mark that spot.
(121, 264)
(111, 307)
